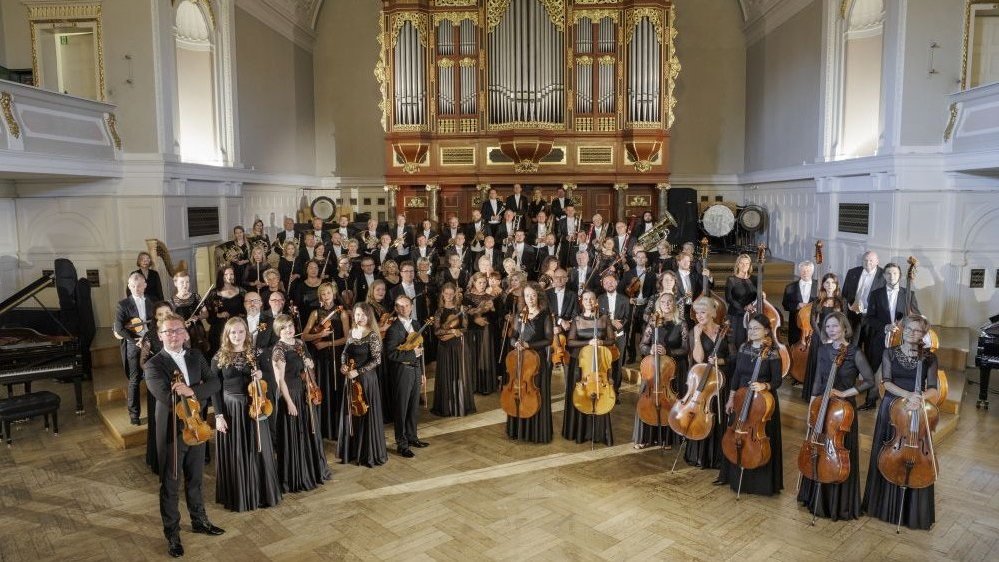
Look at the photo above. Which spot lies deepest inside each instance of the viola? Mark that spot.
(188, 410)
(594, 393)
(358, 405)
(823, 458)
(560, 355)
(415, 338)
(745, 443)
(691, 416)
(520, 397)
(799, 352)
(764, 307)
(893, 337)
(908, 459)
(314, 394)
(658, 371)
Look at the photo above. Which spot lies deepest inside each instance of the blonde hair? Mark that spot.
(226, 354)
(281, 322)
(707, 304)
(735, 267)
(677, 316)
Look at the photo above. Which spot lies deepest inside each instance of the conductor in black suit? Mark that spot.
(196, 381)
(406, 367)
(860, 282)
(885, 306)
(136, 305)
(797, 294)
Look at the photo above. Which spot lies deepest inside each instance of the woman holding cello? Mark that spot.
(245, 471)
(362, 438)
(838, 500)
(828, 302)
(588, 328)
(453, 385)
(671, 342)
(708, 345)
(767, 479)
(900, 370)
(325, 332)
(532, 329)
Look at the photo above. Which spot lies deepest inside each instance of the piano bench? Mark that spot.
(25, 406)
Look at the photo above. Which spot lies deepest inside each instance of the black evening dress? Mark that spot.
(330, 379)
(364, 442)
(184, 307)
(301, 459)
(479, 340)
(839, 501)
(150, 344)
(672, 336)
(881, 497)
(707, 452)
(739, 293)
(818, 320)
(245, 470)
(384, 377)
(769, 478)
(233, 305)
(453, 381)
(305, 297)
(537, 333)
(581, 426)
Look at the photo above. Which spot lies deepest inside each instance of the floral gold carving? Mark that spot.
(112, 123)
(456, 17)
(415, 202)
(596, 15)
(634, 17)
(381, 73)
(494, 12)
(7, 106)
(454, 3)
(418, 21)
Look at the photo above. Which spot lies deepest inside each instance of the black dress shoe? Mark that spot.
(868, 406)
(408, 453)
(206, 528)
(136, 421)
(717, 482)
(174, 548)
(419, 444)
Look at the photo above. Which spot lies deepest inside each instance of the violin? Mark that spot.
(764, 307)
(358, 405)
(745, 442)
(520, 397)
(188, 410)
(721, 309)
(799, 352)
(657, 396)
(314, 394)
(908, 460)
(136, 325)
(560, 355)
(823, 458)
(415, 338)
(594, 394)
(691, 416)
(326, 324)
(261, 407)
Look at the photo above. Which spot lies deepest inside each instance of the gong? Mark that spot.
(718, 220)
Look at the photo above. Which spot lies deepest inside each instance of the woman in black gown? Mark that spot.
(305, 293)
(225, 304)
(154, 287)
(479, 337)
(290, 266)
(839, 501)
(740, 294)
(325, 345)
(362, 440)
(704, 340)
(899, 374)
(588, 328)
(672, 342)
(184, 302)
(237, 252)
(245, 472)
(453, 385)
(301, 459)
(828, 301)
(768, 479)
(377, 299)
(536, 334)
(150, 344)
(258, 236)
(253, 274)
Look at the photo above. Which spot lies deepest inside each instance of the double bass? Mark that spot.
(894, 335)
(658, 371)
(764, 307)
(721, 309)
(691, 416)
(745, 443)
(520, 397)
(823, 457)
(799, 351)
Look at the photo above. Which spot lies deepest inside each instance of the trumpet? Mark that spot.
(397, 243)
(480, 235)
(433, 240)
(449, 245)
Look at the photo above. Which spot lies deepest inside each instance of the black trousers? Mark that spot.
(874, 350)
(130, 361)
(190, 469)
(616, 367)
(407, 404)
(983, 383)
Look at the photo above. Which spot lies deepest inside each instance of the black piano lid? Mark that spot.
(33, 288)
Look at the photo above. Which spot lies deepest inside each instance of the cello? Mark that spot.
(764, 307)
(823, 457)
(799, 351)
(691, 416)
(894, 335)
(907, 460)
(658, 371)
(745, 443)
(520, 397)
(721, 309)
(593, 393)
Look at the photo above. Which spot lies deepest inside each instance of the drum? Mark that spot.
(718, 220)
(753, 218)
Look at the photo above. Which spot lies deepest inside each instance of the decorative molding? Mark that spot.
(112, 124)
(454, 3)
(455, 17)
(634, 16)
(53, 14)
(596, 15)
(494, 12)
(381, 72)
(294, 19)
(417, 19)
(7, 106)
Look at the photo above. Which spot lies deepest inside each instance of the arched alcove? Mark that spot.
(198, 134)
(861, 79)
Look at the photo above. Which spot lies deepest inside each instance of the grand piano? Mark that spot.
(39, 343)
(987, 358)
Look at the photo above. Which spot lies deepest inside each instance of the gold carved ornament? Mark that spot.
(672, 68)
(381, 73)
(415, 202)
(112, 124)
(596, 15)
(416, 19)
(494, 12)
(496, 9)
(454, 3)
(584, 2)
(456, 17)
(7, 106)
(951, 121)
(62, 14)
(635, 16)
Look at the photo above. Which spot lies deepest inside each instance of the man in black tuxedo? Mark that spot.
(415, 290)
(690, 282)
(402, 231)
(473, 228)
(322, 235)
(524, 254)
(516, 202)
(129, 331)
(409, 378)
(623, 242)
(581, 277)
(385, 250)
(860, 282)
(507, 228)
(884, 306)
(615, 305)
(288, 234)
(449, 232)
(557, 208)
(346, 230)
(489, 250)
(548, 248)
(195, 381)
(797, 294)
(492, 208)
(537, 231)
(566, 228)
(362, 280)
(647, 278)
(423, 250)
(459, 249)
(562, 302)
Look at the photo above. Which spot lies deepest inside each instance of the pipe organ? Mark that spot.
(527, 91)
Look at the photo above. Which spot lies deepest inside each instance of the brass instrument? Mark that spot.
(651, 239)
(397, 243)
(158, 248)
(449, 245)
(432, 240)
(371, 242)
(480, 235)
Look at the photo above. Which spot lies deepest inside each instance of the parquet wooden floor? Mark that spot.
(475, 495)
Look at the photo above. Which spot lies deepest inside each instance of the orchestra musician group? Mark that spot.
(326, 333)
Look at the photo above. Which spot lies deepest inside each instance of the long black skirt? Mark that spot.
(810, 367)
(881, 497)
(364, 442)
(479, 342)
(452, 387)
(246, 477)
(768, 479)
(836, 501)
(301, 459)
(738, 334)
(537, 428)
(707, 452)
(331, 383)
(578, 426)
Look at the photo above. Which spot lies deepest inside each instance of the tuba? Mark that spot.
(158, 248)
(651, 239)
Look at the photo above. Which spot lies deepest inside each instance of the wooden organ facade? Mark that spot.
(542, 93)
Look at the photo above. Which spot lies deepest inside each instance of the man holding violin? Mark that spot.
(406, 366)
(131, 320)
(176, 374)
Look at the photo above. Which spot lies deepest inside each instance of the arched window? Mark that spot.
(861, 79)
(197, 94)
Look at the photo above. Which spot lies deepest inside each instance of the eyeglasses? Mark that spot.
(174, 331)
(908, 330)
